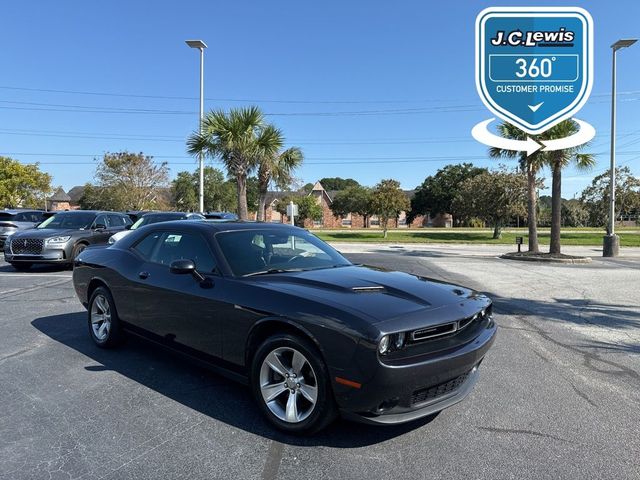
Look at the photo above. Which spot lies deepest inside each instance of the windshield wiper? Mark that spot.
(274, 270)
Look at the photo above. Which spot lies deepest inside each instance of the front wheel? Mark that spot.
(290, 382)
(104, 325)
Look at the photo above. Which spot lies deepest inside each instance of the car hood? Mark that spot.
(121, 234)
(45, 233)
(20, 225)
(378, 295)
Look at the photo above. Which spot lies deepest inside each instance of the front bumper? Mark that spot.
(402, 415)
(394, 394)
(48, 255)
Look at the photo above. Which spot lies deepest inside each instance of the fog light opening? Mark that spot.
(387, 405)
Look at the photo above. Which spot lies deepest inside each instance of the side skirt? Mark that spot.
(209, 362)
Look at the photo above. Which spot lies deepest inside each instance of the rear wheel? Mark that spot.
(290, 382)
(104, 325)
(21, 267)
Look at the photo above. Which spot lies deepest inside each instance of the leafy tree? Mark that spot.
(22, 185)
(307, 188)
(559, 159)
(308, 207)
(574, 213)
(494, 197)
(338, 183)
(437, 192)
(185, 190)
(596, 196)
(355, 199)
(279, 170)
(126, 181)
(531, 164)
(240, 139)
(387, 201)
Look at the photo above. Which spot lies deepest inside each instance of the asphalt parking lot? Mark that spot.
(558, 397)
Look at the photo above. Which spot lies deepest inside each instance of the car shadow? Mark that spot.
(193, 386)
(35, 268)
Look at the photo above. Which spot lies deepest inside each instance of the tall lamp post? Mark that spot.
(200, 45)
(611, 246)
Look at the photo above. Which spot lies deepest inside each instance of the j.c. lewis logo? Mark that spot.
(534, 65)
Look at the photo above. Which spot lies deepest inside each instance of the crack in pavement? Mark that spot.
(523, 432)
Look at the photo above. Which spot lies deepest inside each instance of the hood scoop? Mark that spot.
(368, 289)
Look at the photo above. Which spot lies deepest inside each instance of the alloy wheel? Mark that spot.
(100, 317)
(288, 385)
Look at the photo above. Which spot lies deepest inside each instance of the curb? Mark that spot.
(527, 258)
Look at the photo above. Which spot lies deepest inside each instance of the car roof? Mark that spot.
(93, 212)
(168, 214)
(14, 211)
(234, 225)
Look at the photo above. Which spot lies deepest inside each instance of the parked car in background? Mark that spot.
(220, 216)
(12, 221)
(274, 306)
(155, 217)
(61, 237)
(136, 215)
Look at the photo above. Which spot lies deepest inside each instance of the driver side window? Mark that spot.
(176, 246)
(100, 220)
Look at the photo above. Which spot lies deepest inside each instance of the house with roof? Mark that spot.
(60, 200)
(352, 220)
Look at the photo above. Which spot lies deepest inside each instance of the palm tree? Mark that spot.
(530, 164)
(240, 139)
(557, 160)
(278, 169)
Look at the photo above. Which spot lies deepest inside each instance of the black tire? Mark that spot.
(323, 412)
(113, 332)
(77, 249)
(22, 267)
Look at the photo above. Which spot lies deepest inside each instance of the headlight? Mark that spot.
(111, 241)
(57, 240)
(383, 346)
(393, 342)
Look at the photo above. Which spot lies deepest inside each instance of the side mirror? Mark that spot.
(99, 226)
(185, 266)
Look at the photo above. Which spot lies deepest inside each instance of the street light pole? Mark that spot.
(200, 45)
(611, 246)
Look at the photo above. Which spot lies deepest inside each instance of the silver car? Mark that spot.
(12, 221)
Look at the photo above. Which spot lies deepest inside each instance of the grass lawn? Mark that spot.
(629, 238)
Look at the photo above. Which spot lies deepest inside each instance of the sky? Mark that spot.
(368, 89)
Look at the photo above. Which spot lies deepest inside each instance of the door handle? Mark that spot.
(143, 275)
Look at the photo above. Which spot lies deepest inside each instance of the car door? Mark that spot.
(117, 223)
(177, 309)
(100, 230)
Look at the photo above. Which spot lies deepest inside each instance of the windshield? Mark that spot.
(149, 219)
(139, 223)
(251, 252)
(70, 221)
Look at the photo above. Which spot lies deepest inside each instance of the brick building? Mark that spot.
(352, 220)
(59, 201)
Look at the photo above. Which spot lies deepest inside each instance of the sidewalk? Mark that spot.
(475, 250)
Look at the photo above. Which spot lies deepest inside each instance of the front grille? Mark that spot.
(27, 246)
(430, 393)
(448, 328)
